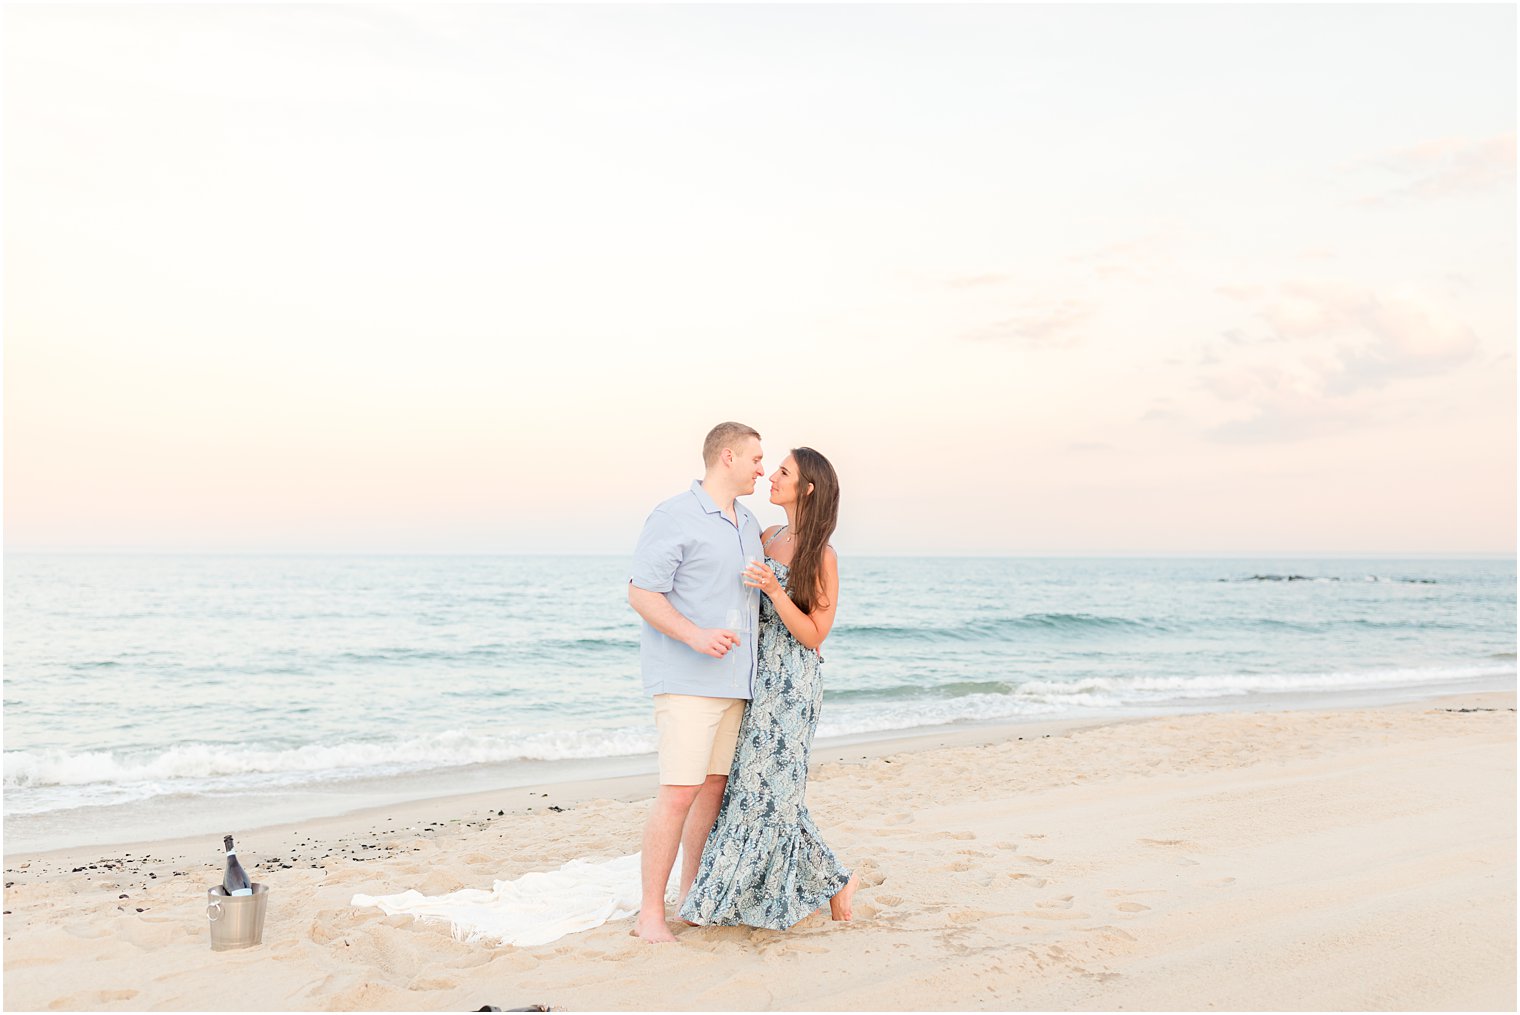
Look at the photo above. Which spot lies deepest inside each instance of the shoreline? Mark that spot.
(1337, 859)
(641, 786)
(211, 817)
(627, 788)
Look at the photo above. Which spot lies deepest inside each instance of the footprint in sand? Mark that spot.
(365, 997)
(1219, 882)
(890, 900)
(87, 931)
(151, 933)
(796, 946)
(470, 959)
(38, 960)
(427, 982)
(1007, 845)
(1034, 882)
(969, 915)
(327, 926)
(1063, 902)
(959, 867)
(1041, 860)
(898, 819)
(90, 999)
(1053, 914)
(1131, 907)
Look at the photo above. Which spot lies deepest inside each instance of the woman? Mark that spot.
(765, 864)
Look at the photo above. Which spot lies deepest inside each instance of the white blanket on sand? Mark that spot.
(536, 908)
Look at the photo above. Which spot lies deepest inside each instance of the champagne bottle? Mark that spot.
(235, 881)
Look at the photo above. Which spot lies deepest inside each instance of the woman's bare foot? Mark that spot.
(654, 931)
(680, 906)
(839, 905)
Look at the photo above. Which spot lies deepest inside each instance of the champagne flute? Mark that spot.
(751, 597)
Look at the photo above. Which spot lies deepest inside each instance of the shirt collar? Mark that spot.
(707, 503)
(704, 498)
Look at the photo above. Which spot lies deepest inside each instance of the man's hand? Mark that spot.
(713, 641)
(660, 615)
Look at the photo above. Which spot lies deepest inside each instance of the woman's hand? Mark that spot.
(758, 575)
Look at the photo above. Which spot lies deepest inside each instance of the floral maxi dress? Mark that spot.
(765, 865)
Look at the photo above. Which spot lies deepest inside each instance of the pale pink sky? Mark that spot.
(478, 279)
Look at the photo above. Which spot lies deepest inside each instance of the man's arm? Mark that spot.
(660, 615)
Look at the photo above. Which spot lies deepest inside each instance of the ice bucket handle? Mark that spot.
(214, 910)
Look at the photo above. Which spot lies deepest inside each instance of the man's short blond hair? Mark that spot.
(724, 435)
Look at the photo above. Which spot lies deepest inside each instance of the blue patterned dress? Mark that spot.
(765, 864)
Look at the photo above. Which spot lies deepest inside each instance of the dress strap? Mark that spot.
(771, 540)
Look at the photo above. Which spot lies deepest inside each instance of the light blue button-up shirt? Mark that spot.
(694, 555)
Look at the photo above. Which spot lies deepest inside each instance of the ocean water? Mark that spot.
(148, 695)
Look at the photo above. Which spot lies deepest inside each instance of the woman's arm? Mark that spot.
(808, 628)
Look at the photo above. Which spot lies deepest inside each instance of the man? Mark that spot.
(697, 652)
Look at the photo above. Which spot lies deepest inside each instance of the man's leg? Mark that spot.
(697, 736)
(704, 810)
(662, 837)
(699, 822)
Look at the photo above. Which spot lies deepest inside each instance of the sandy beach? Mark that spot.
(1336, 859)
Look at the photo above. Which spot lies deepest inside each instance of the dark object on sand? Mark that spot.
(531, 1007)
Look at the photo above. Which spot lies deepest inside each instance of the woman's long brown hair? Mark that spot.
(817, 514)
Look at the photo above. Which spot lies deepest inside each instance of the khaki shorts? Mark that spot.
(698, 736)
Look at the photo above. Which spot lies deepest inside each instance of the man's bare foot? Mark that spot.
(654, 931)
(839, 905)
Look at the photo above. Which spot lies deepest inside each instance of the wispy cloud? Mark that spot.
(1326, 350)
(1376, 338)
(1282, 405)
(1287, 419)
(1133, 259)
(1443, 168)
(1054, 324)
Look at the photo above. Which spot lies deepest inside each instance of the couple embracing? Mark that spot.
(737, 691)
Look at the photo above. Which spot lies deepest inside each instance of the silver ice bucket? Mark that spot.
(237, 921)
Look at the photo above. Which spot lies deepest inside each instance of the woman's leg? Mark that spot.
(839, 905)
